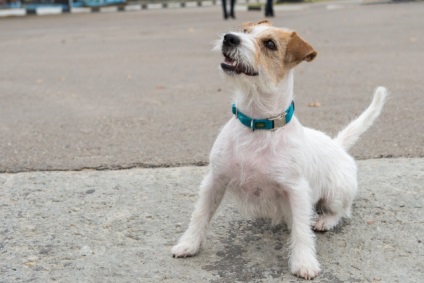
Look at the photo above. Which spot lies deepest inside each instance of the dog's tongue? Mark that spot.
(229, 61)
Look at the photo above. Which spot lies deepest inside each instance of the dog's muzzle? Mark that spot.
(232, 65)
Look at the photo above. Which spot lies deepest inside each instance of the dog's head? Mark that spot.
(261, 54)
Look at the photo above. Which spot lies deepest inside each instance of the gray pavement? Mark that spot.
(141, 89)
(119, 226)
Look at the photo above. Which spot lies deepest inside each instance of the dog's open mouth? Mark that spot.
(230, 65)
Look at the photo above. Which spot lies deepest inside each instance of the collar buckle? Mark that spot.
(279, 121)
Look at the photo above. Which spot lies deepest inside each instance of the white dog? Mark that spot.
(275, 167)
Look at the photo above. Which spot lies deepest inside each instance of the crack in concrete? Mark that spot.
(143, 165)
(110, 167)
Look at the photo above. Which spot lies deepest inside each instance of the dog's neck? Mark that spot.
(259, 103)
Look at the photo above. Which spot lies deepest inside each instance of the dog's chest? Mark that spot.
(253, 184)
(251, 171)
(248, 173)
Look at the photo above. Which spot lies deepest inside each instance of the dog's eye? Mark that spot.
(270, 44)
(245, 30)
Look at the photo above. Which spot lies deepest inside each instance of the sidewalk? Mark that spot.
(118, 226)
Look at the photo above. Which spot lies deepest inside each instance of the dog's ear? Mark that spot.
(298, 50)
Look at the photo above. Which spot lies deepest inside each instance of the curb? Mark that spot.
(107, 9)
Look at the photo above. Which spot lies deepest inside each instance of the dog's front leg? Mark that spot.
(303, 262)
(211, 193)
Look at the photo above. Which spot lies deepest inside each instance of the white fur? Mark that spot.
(279, 174)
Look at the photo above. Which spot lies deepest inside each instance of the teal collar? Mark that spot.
(265, 124)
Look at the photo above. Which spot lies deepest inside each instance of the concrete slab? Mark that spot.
(191, 4)
(289, 8)
(118, 226)
(108, 9)
(134, 7)
(49, 11)
(240, 8)
(173, 5)
(12, 12)
(79, 10)
(206, 3)
(154, 6)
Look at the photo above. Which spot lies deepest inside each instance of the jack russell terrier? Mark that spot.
(275, 167)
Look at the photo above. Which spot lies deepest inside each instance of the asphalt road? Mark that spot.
(120, 90)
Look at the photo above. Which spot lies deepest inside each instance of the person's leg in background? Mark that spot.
(269, 11)
(232, 15)
(224, 8)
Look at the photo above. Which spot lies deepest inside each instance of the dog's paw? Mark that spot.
(320, 225)
(325, 222)
(184, 249)
(307, 268)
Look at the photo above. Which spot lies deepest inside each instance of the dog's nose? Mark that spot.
(231, 40)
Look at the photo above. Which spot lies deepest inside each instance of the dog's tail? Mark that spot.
(350, 135)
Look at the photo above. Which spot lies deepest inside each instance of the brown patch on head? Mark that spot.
(281, 50)
(247, 27)
(264, 22)
(272, 44)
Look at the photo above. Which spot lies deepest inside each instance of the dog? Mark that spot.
(266, 159)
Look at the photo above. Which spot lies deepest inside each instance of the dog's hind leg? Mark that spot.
(330, 212)
(211, 193)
